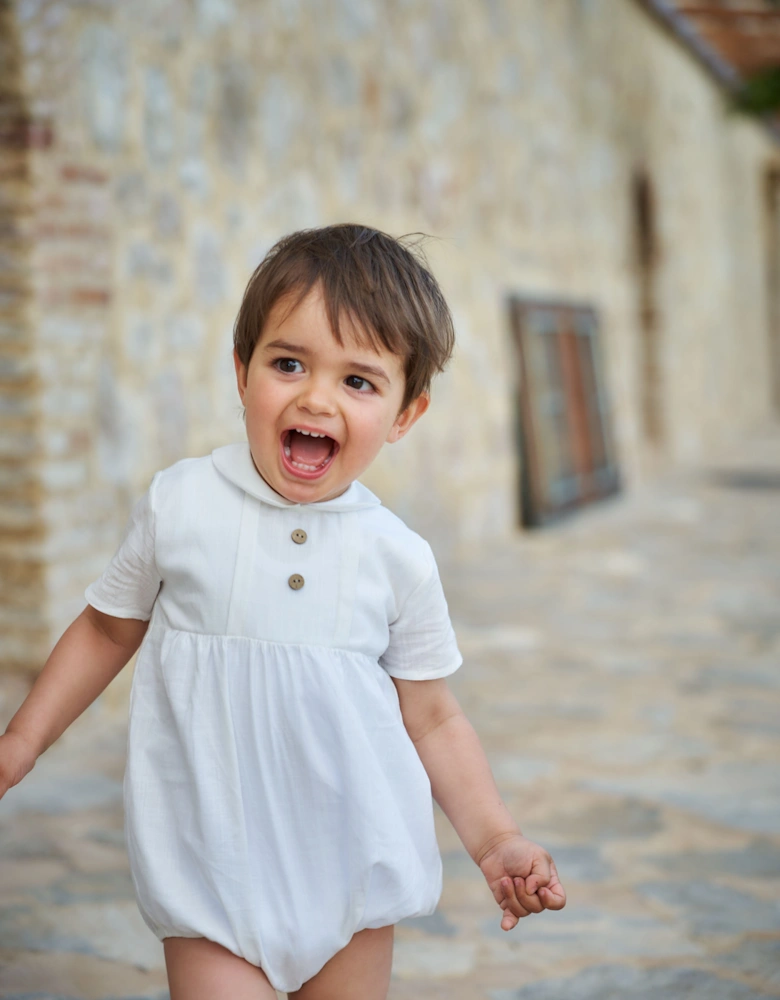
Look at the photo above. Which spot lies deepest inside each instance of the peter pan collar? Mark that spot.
(235, 463)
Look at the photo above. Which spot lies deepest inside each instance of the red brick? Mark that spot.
(83, 174)
(26, 133)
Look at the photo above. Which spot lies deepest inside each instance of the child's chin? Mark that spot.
(314, 492)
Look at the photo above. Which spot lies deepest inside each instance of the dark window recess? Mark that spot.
(563, 421)
(773, 278)
(647, 260)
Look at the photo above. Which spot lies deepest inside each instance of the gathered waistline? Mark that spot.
(160, 628)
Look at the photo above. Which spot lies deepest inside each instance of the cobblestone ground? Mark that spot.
(623, 671)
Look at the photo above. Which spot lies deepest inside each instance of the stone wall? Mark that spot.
(182, 138)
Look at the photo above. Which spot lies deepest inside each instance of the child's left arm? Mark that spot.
(521, 874)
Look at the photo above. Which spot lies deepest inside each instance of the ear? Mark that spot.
(408, 417)
(240, 374)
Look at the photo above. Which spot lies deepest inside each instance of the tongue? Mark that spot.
(309, 450)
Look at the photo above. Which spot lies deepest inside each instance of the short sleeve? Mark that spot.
(422, 640)
(129, 585)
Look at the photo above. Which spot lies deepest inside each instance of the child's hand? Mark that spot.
(522, 878)
(17, 758)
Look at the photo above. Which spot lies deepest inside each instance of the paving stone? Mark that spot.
(757, 957)
(458, 864)
(56, 793)
(61, 996)
(588, 931)
(638, 748)
(165, 995)
(37, 996)
(214, 14)
(752, 716)
(20, 843)
(756, 675)
(431, 958)
(115, 838)
(741, 794)
(435, 923)
(615, 820)
(760, 859)
(580, 862)
(85, 977)
(515, 769)
(87, 887)
(615, 982)
(113, 931)
(713, 909)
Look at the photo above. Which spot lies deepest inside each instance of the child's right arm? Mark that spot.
(86, 659)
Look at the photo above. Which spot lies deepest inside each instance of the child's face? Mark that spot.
(300, 379)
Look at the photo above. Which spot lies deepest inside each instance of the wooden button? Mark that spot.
(296, 581)
(299, 536)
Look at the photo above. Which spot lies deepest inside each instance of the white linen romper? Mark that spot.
(274, 802)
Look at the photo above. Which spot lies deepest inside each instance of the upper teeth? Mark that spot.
(314, 434)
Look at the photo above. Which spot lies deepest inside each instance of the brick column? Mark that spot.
(23, 630)
(72, 267)
(58, 518)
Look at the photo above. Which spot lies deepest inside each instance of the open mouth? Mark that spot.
(307, 454)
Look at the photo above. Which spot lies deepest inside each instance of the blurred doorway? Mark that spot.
(773, 278)
(563, 423)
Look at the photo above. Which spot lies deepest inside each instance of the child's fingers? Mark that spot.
(528, 900)
(550, 900)
(514, 909)
(553, 895)
(540, 875)
(509, 920)
(498, 894)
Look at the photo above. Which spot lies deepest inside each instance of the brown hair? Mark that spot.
(383, 286)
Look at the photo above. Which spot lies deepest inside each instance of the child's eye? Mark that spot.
(286, 365)
(363, 386)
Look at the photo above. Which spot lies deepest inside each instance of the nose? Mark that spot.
(316, 398)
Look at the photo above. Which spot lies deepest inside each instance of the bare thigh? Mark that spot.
(199, 969)
(360, 971)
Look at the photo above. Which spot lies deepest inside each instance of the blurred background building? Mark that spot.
(607, 231)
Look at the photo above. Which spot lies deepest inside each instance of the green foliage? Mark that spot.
(761, 93)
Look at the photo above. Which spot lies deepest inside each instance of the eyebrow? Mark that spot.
(358, 366)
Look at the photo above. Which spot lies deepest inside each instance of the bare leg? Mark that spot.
(361, 971)
(199, 969)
